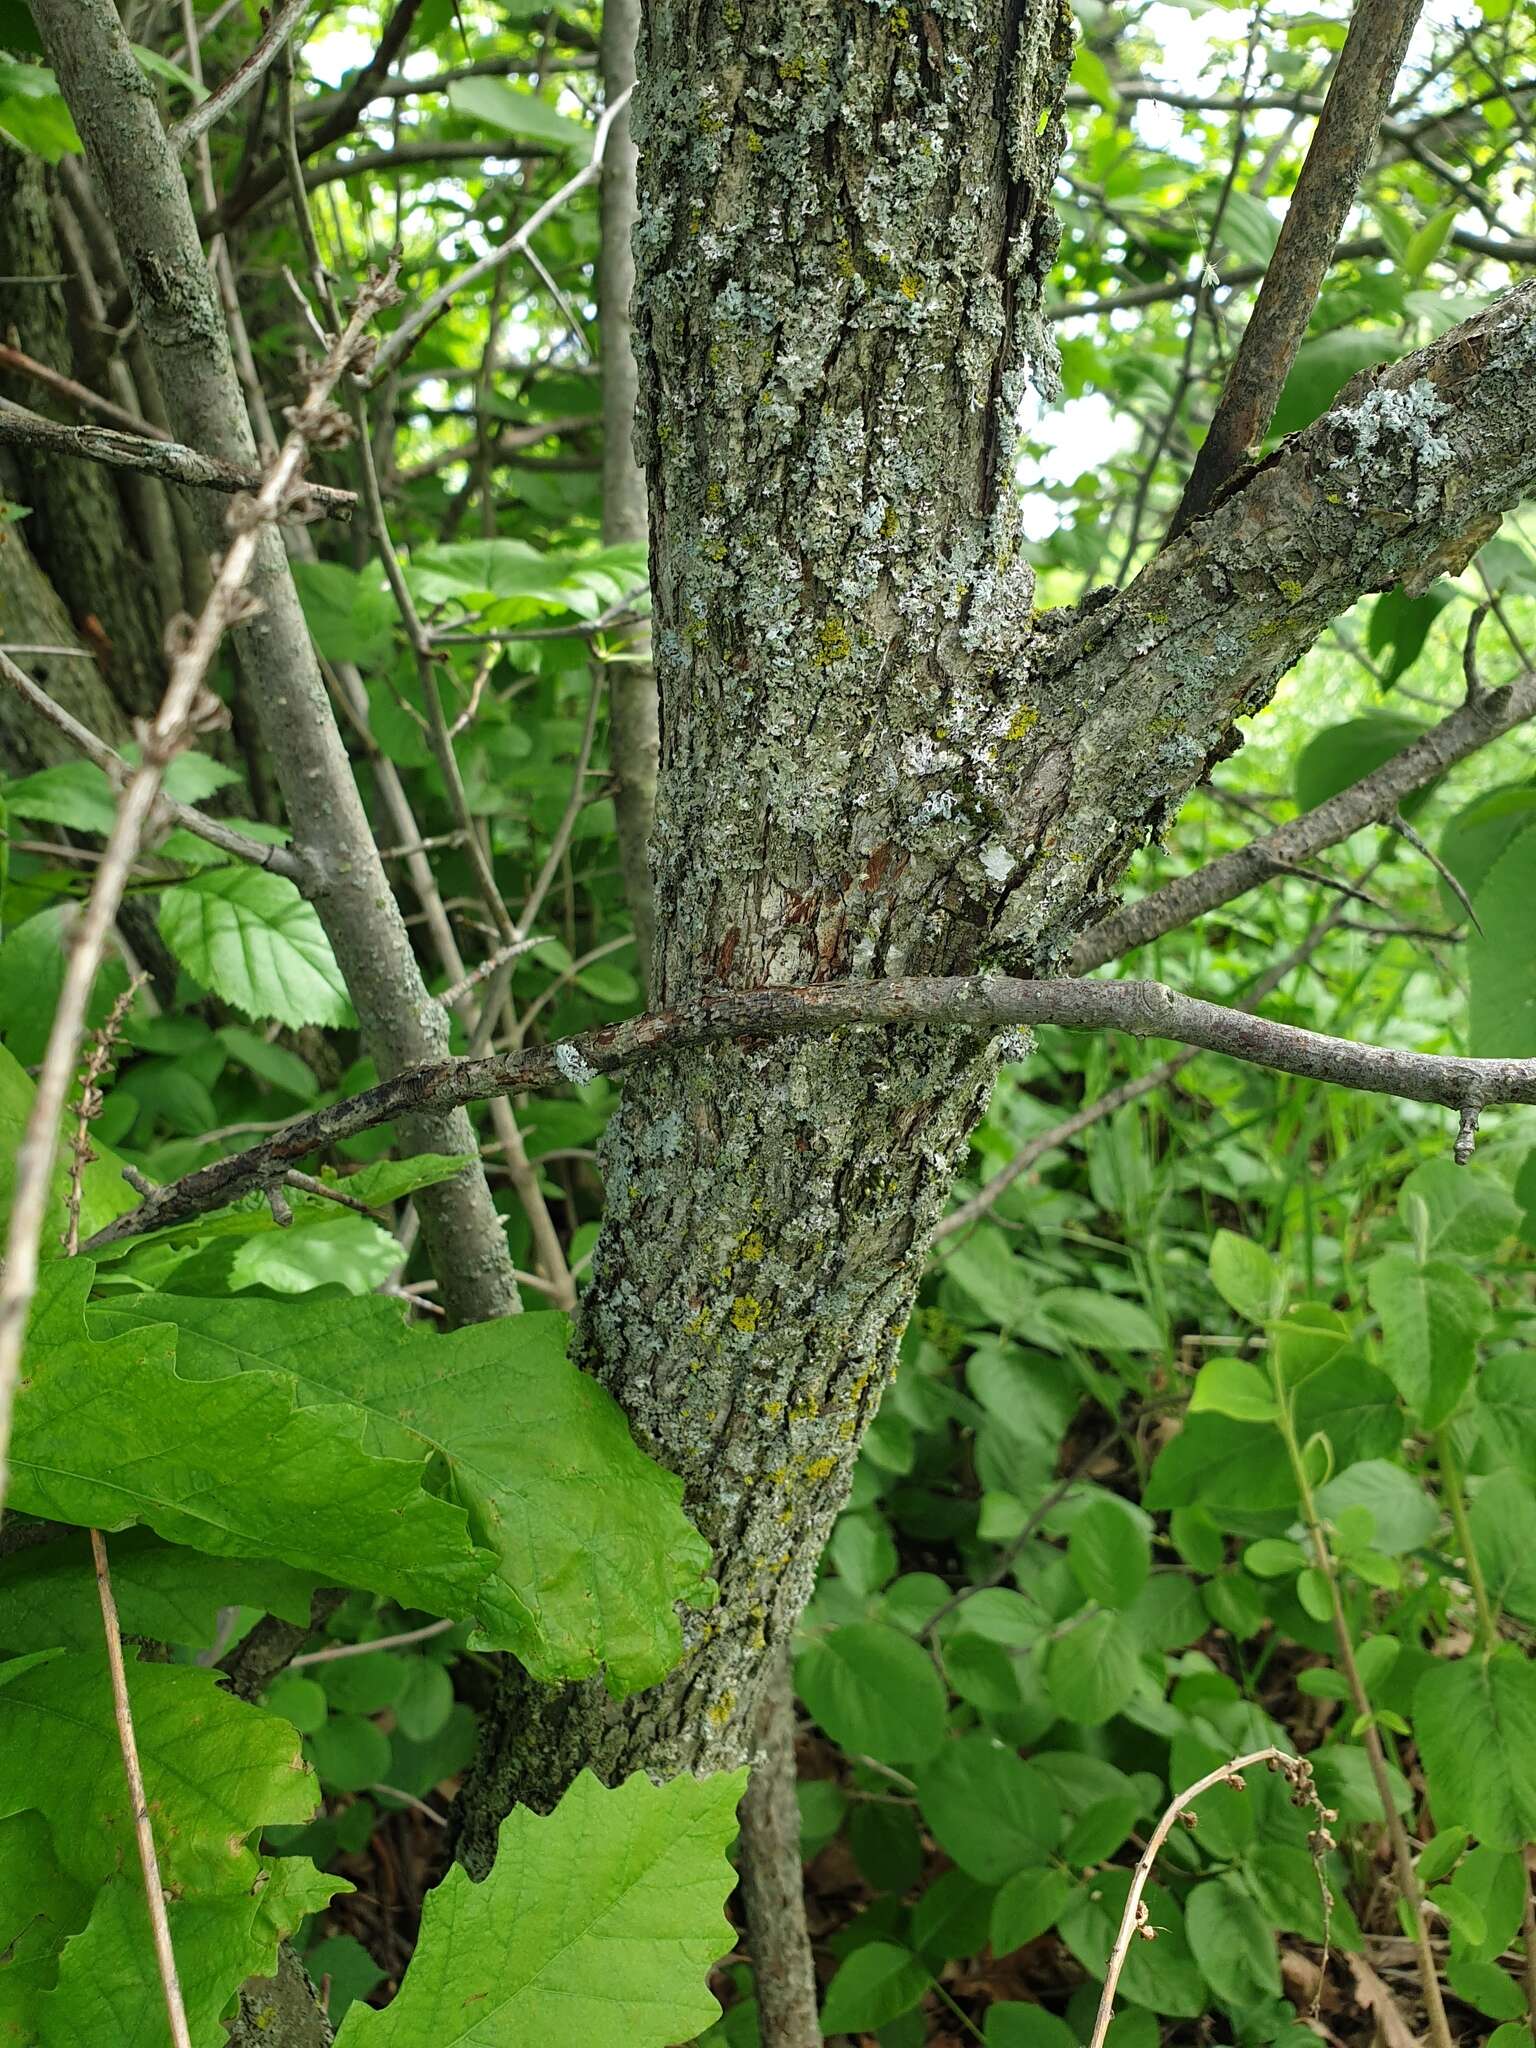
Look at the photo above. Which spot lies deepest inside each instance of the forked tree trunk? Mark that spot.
(845, 229)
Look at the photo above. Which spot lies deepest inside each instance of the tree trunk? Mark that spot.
(845, 229)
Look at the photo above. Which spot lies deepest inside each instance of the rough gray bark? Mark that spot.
(76, 530)
(634, 740)
(873, 762)
(142, 187)
(772, 1877)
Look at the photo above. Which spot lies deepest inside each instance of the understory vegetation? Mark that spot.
(1213, 1431)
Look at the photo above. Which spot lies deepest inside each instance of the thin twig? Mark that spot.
(334, 1652)
(154, 1890)
(282, 22)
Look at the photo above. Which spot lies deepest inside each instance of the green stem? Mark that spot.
(1397, 1834)
(1455, 1493)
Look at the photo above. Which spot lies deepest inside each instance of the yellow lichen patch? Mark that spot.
(832, 642)
(1022, 721)
(890, 525)
(750, 1245)
(746, 1313)
(1289, 588)
(821, 1468)
(910, 287)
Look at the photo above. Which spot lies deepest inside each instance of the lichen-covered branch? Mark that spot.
(1371, 800)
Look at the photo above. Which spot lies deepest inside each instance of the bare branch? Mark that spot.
(980, 1004)
(1371, 801)
(149, 1862)
(408, 333)
(283, 20)
(77, 393)
(20, 428)
(1336, 161)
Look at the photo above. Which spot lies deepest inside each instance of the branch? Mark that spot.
(404, 339)
(1370, 801)
(20, 428)
(980, 1004)
(77, 393)
(284, 19)
(112, 764)
(1119, 708)
(1336, 161)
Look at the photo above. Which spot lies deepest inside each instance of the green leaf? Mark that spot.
(1322, 368)
(1461, 1913)
(497, 103)
(1224, 1464)
(873, 1986)
(1103, 1321)
(48, 1593)
(270, 1063)
(1426, 244)
(76, 794)
(33, 959)
(1274, 1558)
(1232, 1942)
(1160, 1974)
(1440, 1855)
(113, 1433)
(1109, 1551)
(1100, 1830)
(103, 1191)
(250, 938)
(215, 1770)
(591, 1548)
(1399, 627)
(991, 1812)
(1014, 2023)
(1093, 1669)
(351, 617)
(873, 1691)
(1431, 1319)
(1506, 1400)
(1501, 963)
(1026, 1906)
(1402, 1514)
(334, 1250)
(1483, 1985)
(597, 1927)
(1477, 836)
(33, 112)
(1476, 1725)
(1246, 1277)
(1343, 754)
(1228, 1386)
(1503, 1524)
(1469, 1213)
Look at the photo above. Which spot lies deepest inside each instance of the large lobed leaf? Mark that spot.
(596, 1928)
(591, 1547)
(117, 1432)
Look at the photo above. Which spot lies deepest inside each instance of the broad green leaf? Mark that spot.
(1399, 627)
(215, 1770)
(1475, 1720)
(41, 1905)
(1440, 1856)
(1246, 1277)
(1106, 1322)
(1425, 245)
(591, 1548)
(1026, 1906)
(76, 794)
(1161, 1974)
(1093, 1669)
(335, 1250)
(1109, 1552)
(1507, 566)
(48, 1592)
(873, 1691)
(33, 112)
(1015, 2023)
(1305, 1339)
(1469, 1213)
(272, 1063)
(1322, 368)
(991, 1812)
(1402, 1513)
(1274, 1558)
(1222, 1463)
(953, 1917)
(873, 1986)
(108, 1987)
(119, 1432)
(250, 938)
(33, 958)
(1431, 1319)
(1344, 754)
(597, 1927)
(1503, 1522)
(351, 617)
(1232, 1942)
(1230, 1386)
(1482, 1985)
(1354, 1406)
(1506, 1404)
(498, 103)
(1480, 834)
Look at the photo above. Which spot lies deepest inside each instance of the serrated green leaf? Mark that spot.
(118, 1432)
(873, 1691)
(1431, 1318)
(1476, 1726)
(596, 1928)
(76, 794)
(351, 616)
(591, 1548)
(250, 938)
